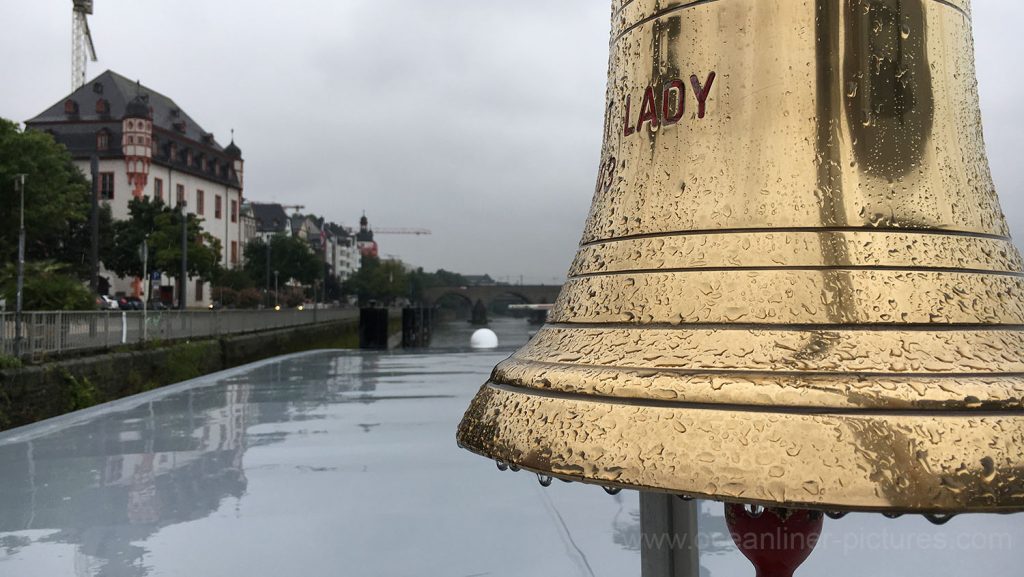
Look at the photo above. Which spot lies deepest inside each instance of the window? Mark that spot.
(216, 207)
(200, 202)
(102, 106)
(234, 210)
(102, 140)
(199, 290)
(158, 188)
(234, 252)
(181, 194)
(70, 107)
(188, 157)
(106, 186)
(174, 152)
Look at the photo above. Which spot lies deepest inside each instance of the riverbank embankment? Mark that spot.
(36, 392)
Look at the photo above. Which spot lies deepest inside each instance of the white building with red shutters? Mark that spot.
(148, 146)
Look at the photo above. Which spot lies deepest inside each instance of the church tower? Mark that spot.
(364, 238)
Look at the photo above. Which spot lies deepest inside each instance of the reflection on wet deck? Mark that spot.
(313, 465)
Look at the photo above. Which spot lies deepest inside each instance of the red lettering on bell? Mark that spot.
(669, 116)
(648, 111)
(628, 126)
(672, 105)
(702, 92)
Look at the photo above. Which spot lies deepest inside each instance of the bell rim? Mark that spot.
(539, 443)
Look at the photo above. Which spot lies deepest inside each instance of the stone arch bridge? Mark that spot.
(528, 294)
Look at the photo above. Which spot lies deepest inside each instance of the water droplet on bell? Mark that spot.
(940, 518)
(544, 480)
(754, 511)
(892, 515)
(513, 468)
(502, 466)
(612, 490)
(836, 514)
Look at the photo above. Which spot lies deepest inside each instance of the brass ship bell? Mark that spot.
(796, 287)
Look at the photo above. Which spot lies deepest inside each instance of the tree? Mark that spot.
(57, 203)
(162, 225)
(236, 279)
(48, 287)
(379, 280)
(289, 256)
(420, 281)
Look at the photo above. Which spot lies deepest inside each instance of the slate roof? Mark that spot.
(119, 91)
(177, 137)
(270, 218)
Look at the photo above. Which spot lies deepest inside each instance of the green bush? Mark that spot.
(48, 287)
(8, 362)
(226, 296)
(249, 298)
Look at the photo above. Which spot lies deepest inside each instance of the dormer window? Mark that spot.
(207, 138)
(188, 157)
(180, 126)
(70, 107)
(103, 140)
(174, 152)
(103, 106)
(97, 87)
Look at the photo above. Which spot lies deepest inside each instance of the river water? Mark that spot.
(345, 463)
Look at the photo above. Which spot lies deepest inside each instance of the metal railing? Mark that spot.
(59, 332)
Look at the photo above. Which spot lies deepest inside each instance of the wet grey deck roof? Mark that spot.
(340, 463)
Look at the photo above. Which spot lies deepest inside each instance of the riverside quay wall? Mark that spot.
(33, 393)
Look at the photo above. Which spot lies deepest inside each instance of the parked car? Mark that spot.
(129, 303)
(106, 303)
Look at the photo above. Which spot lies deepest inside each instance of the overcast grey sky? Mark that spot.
(478, 119)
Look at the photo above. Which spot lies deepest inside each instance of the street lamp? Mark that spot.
(183, 289)
(20, 179)
(145, 287)
(267, 292)
(277, 305)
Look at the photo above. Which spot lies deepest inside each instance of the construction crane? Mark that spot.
(82, 48)
(412, 231)
(294, 207)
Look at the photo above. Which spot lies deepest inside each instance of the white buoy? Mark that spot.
(483, 339)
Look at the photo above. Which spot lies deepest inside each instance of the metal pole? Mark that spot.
(268, 273)
(668, 536)
(21, 269)
(183, 289)
(275, 289)
(145, 289)
(94, 227)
